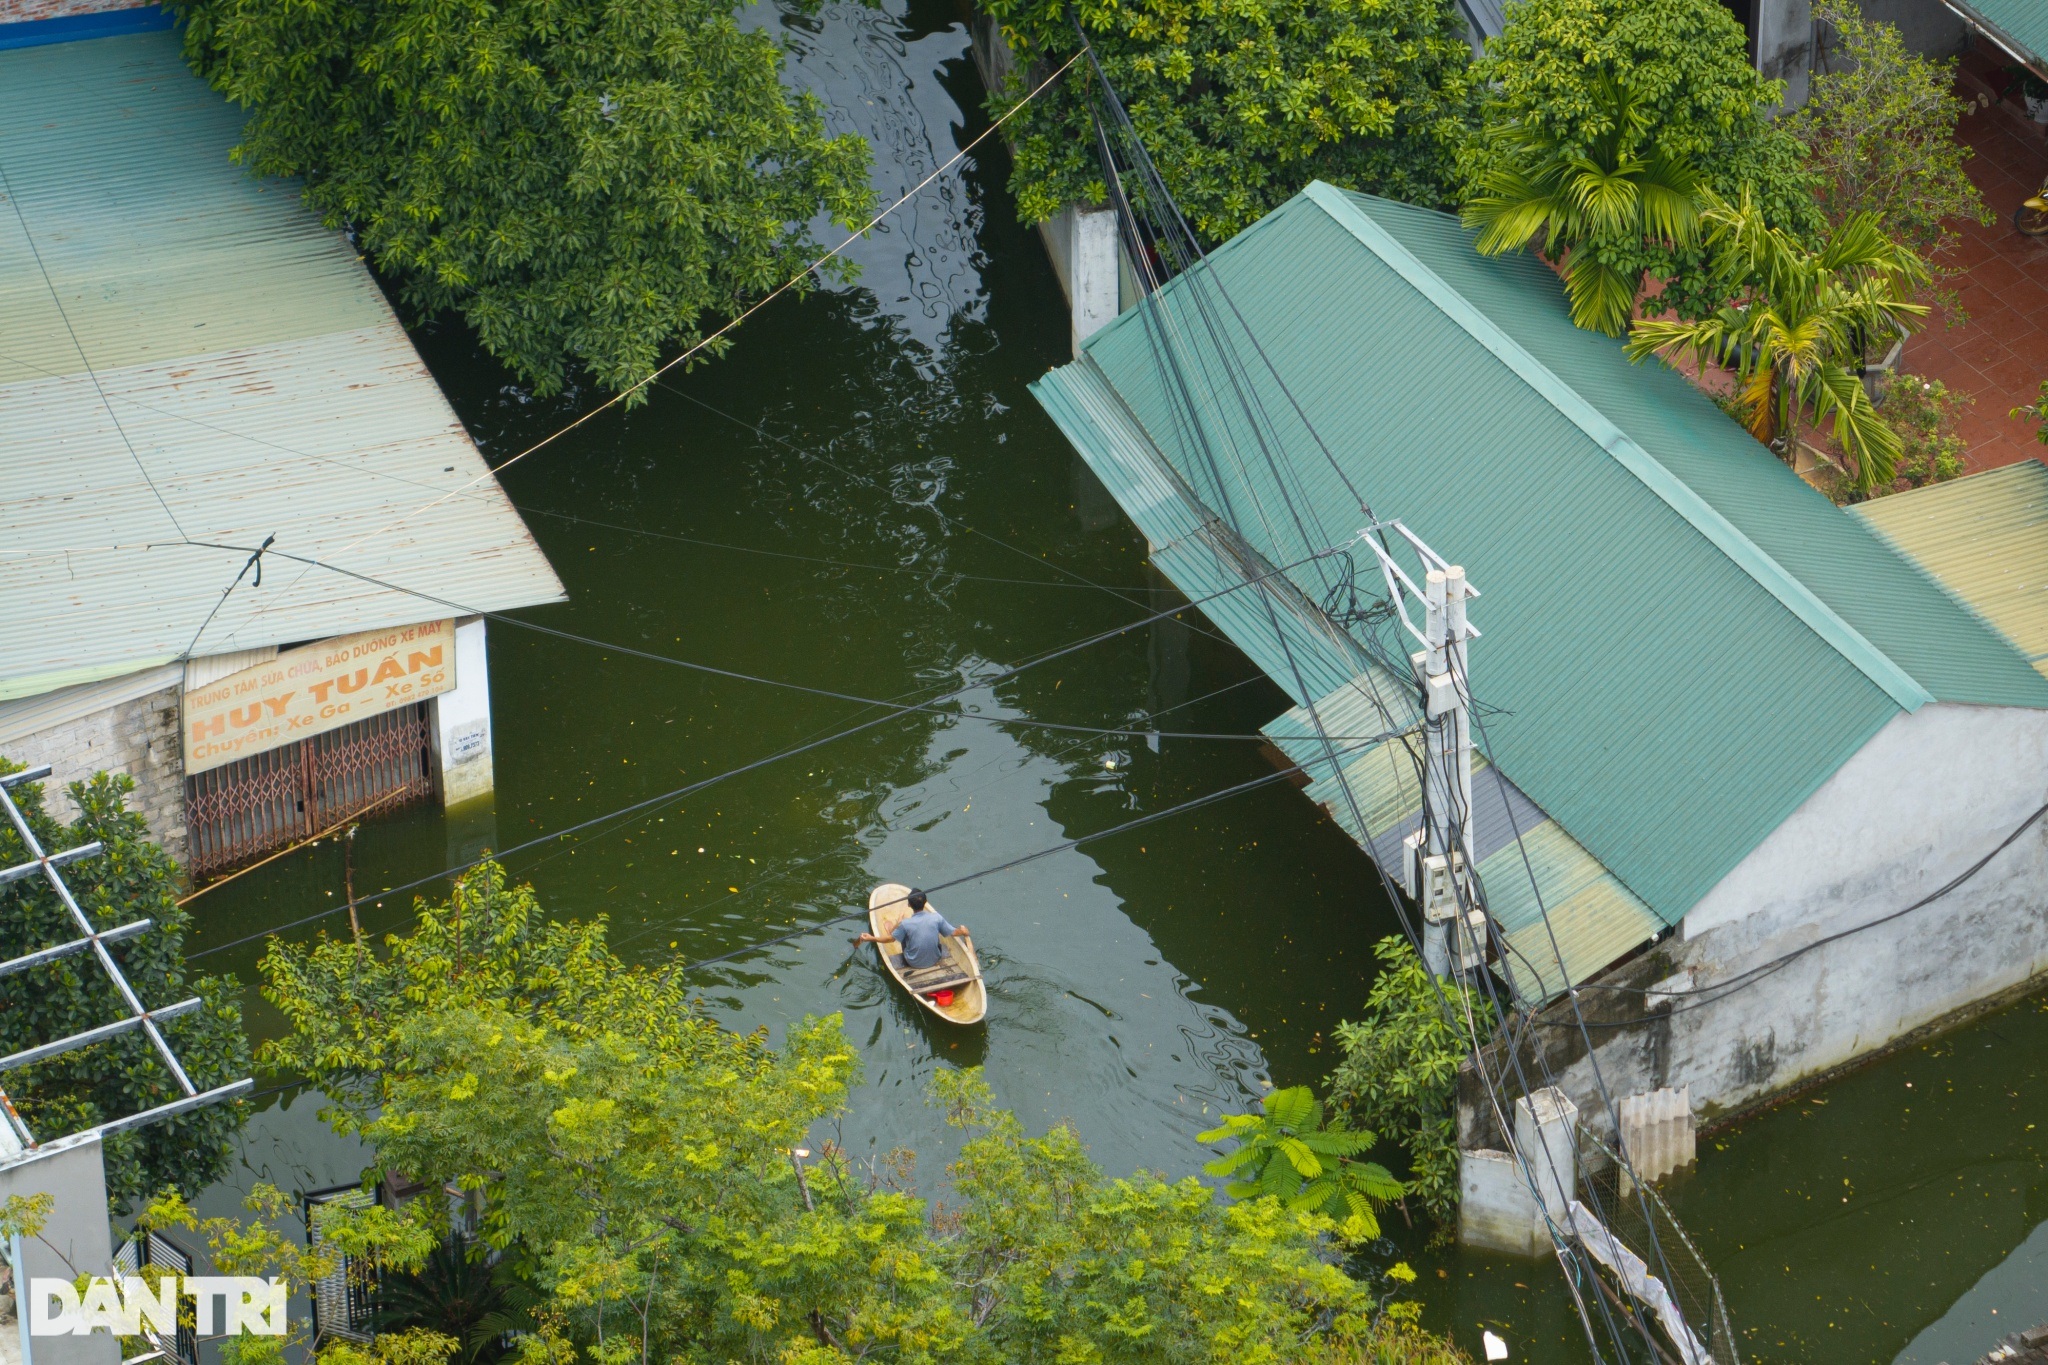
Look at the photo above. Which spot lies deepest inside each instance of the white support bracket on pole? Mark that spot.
(1438, 858)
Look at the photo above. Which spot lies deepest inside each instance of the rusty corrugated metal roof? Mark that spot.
(191, 361)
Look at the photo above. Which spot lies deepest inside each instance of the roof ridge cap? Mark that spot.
(1680, 496)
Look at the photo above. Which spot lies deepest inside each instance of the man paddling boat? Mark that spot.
(922, 933)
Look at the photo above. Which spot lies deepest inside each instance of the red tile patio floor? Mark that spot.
(1999, 354)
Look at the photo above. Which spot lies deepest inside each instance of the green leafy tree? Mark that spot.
(1632, 99)
(2035, 412)
(1287, 1152)
(1399, 1073)
(634, 1164)
(370, 1241)
(133, 879)
(1067, 1265)
(582, 181)
(1595, 205)
(1242, 105)
(1796, 334)
(1923, 412)
(1880, 135)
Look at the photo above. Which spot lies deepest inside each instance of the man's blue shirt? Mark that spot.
(923, 938)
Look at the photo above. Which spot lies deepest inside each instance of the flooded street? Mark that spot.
(862, 497)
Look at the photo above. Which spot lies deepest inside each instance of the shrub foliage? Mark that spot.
(1399, 1073)
(1563, 72)
(1242, 105)
(133, 879)
(633, 1162)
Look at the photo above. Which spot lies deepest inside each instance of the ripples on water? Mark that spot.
(885, 427)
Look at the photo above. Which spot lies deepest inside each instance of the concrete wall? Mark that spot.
(137, 736)
(1928, 26)
(73, 1242)
(1928, 796)
(1784, 45)
(1082, 243)
(462, 721)
(1081, 240)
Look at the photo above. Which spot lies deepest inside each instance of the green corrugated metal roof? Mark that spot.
(1683, 639)
(247, 378)
(1985, 539)
(2019, 26)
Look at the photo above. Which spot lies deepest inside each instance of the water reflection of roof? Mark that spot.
(1682, 639)
(246, 378)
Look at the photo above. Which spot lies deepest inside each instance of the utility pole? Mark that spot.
(1438, 855)
(1444, 884)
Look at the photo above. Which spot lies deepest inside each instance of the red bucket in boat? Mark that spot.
(942, 998)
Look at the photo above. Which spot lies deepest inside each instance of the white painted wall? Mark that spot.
(462, 720)
(1085, 255)
(74, 1241)
(1497, 1210)
(1929, 795)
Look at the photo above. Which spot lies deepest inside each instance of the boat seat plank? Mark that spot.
(925, 980)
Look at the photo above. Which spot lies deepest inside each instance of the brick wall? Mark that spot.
(21, 11)
(137, 737)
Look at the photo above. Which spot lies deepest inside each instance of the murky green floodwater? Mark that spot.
(863, 497)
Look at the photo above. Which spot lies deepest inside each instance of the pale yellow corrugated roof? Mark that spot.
(246, 378)
(1985, 539)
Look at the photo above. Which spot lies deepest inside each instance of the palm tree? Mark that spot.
(1589, 203)
(1287, 1152)
(1796, 331)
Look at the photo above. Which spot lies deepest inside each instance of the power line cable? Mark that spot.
(1254, 412)
(973, 793)
(1721, 990)
(714, 670)
(255, 561)
(926, 571)
(1462, 681)
(21, 217)
(698, 347)
(1208, 799)
(694, 787)
(1176, 386)
(872, 482)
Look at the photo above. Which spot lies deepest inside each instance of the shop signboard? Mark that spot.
(315, 688)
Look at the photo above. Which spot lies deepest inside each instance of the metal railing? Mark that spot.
(1643, 1222)
(17, 1144)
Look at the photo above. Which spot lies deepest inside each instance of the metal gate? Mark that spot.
(244, 809)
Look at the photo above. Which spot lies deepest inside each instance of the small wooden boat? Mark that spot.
(957, 979)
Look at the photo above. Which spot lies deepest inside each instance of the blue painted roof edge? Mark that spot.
(1772, 576)
(72, 28)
